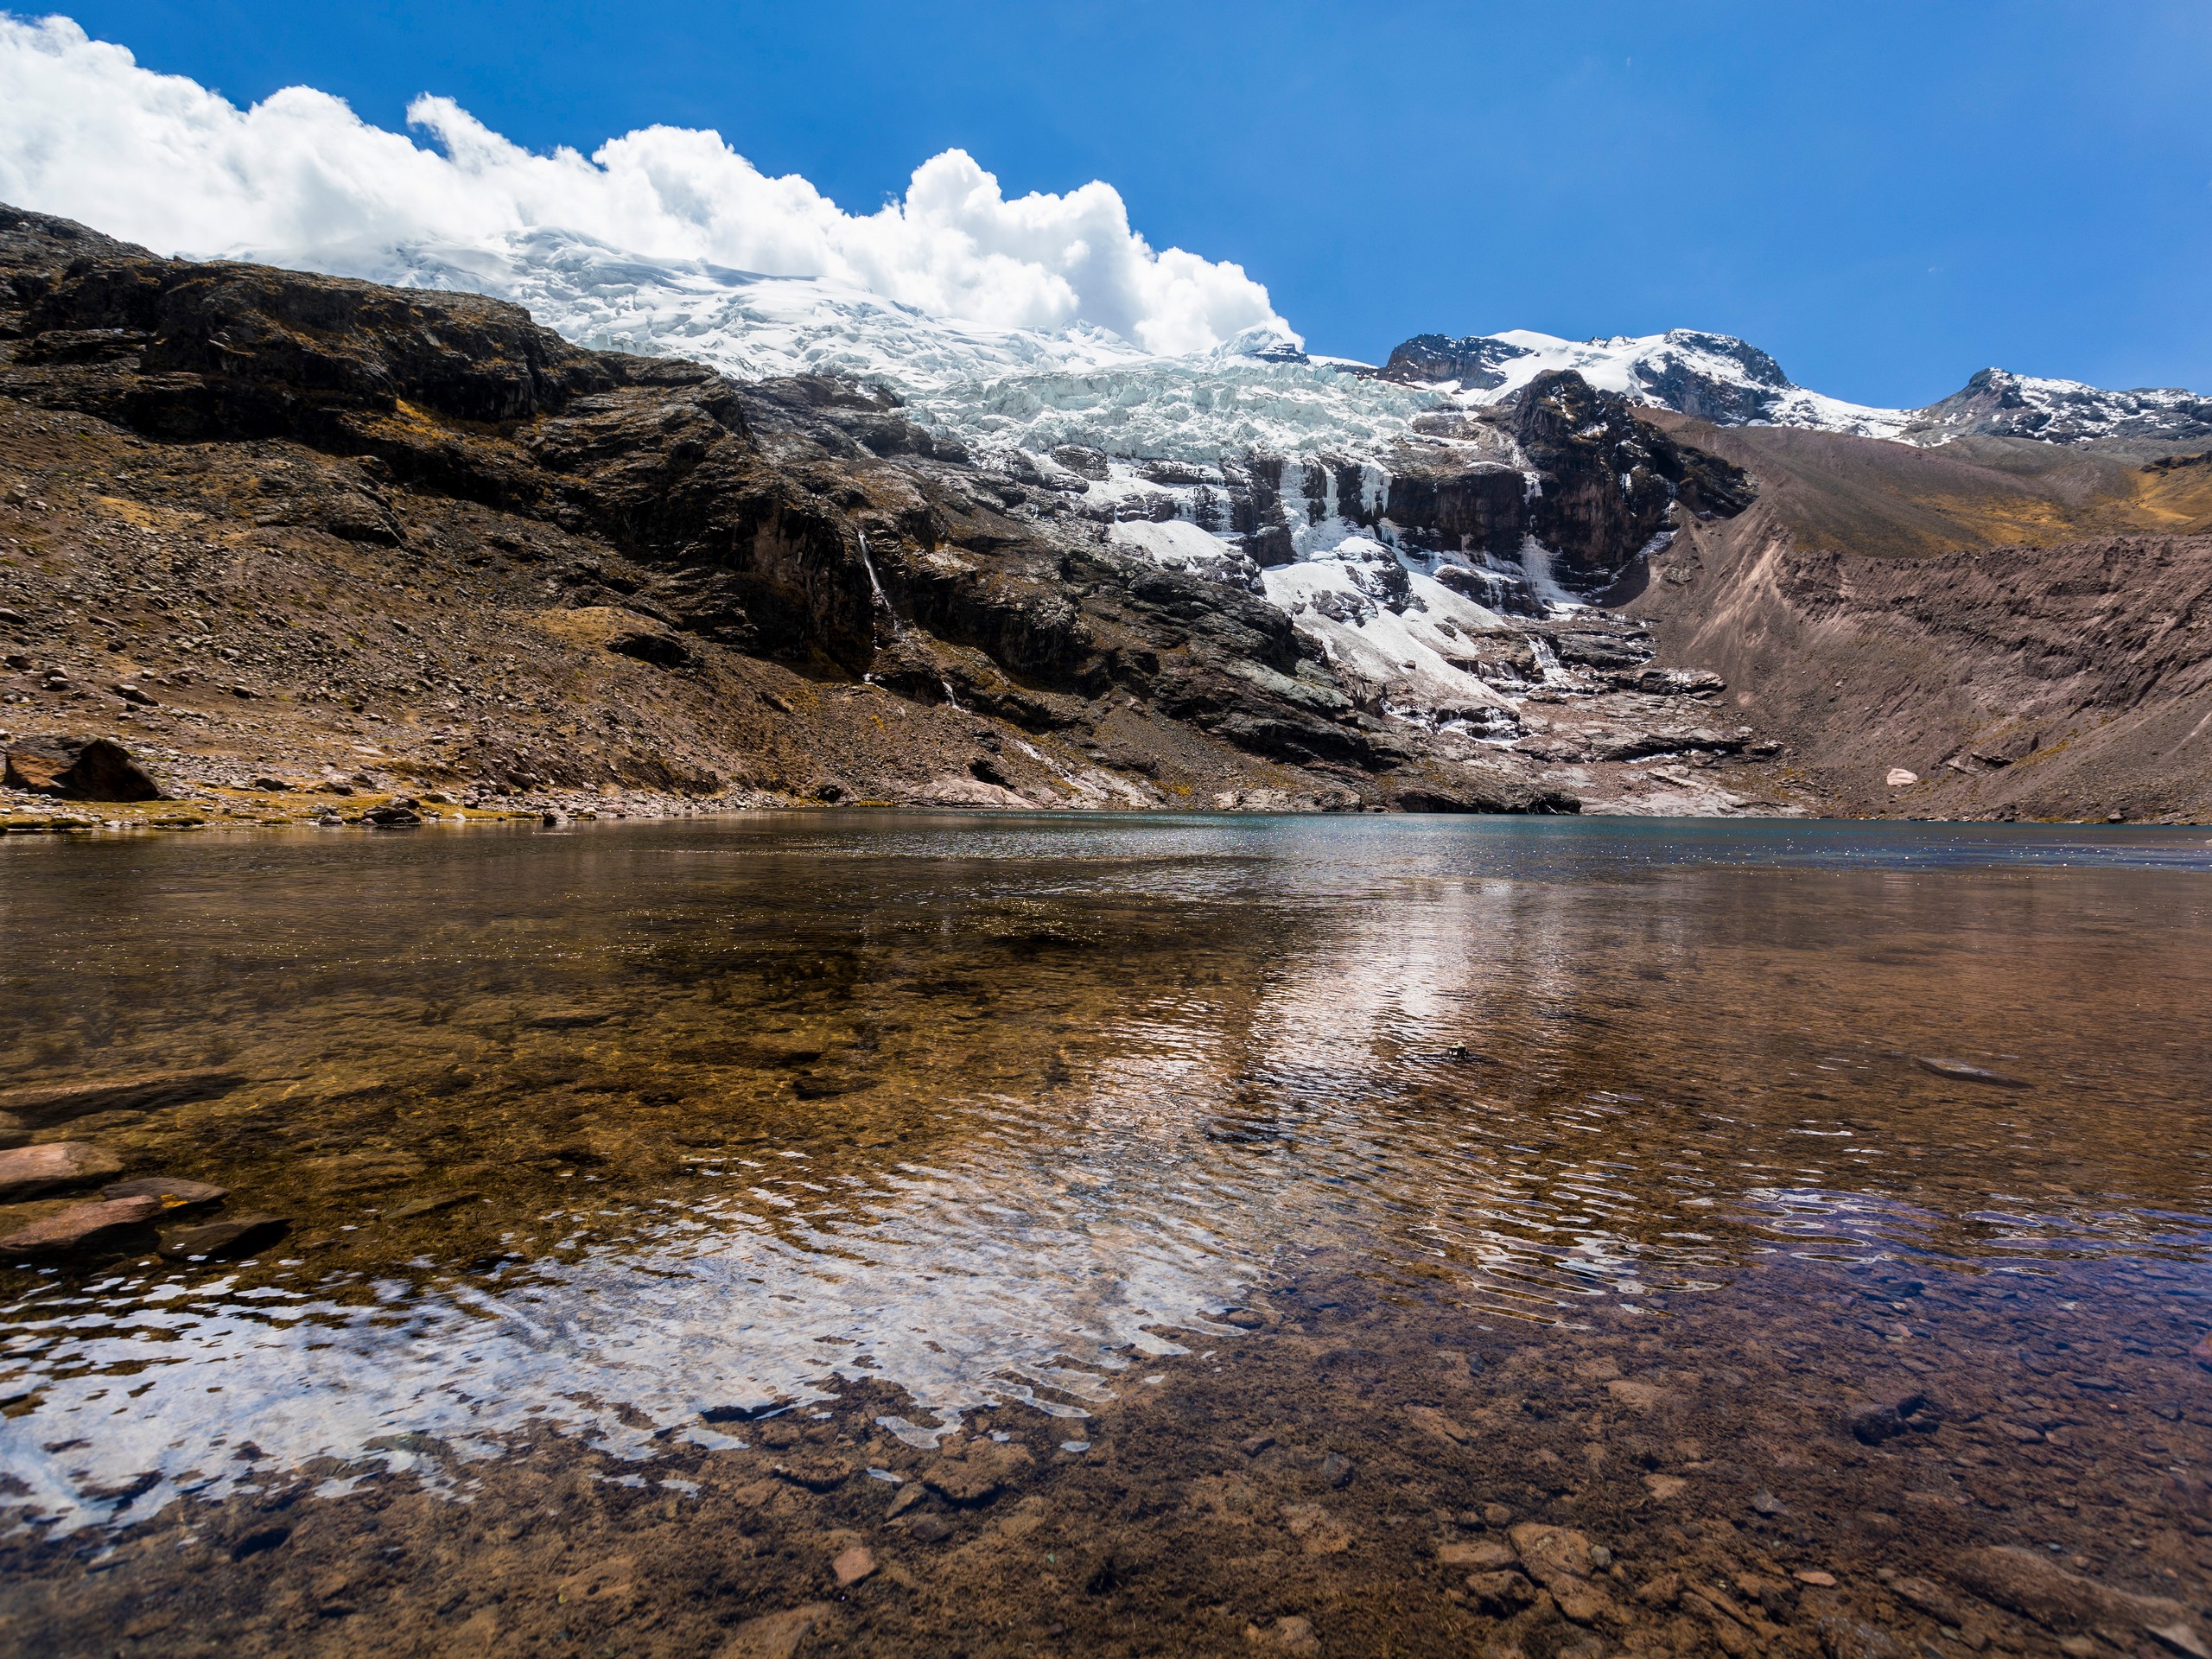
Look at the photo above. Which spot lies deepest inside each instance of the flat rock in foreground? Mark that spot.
(26, 1172)
(86, 1229)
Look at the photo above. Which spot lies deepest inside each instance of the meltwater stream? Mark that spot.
(626, 1137)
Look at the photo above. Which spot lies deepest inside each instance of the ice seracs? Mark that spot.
(1415, 641)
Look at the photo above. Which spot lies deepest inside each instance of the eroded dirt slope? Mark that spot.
(2024, 627)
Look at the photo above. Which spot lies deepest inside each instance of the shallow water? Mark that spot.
(912, 1125)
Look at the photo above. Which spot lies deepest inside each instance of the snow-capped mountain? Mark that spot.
(2000, 404)
(1003, 389)
(993, 389)
(1721, 379)
(1714, 377)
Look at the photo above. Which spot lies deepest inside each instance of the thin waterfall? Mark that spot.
(897, 626)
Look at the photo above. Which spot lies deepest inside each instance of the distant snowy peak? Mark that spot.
(1998, 404)
(1728, 382)
(1712, 377)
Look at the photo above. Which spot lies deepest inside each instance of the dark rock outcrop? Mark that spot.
(1611, 480)
(79, 769)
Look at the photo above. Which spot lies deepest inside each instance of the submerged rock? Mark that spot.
(1871, 1424)
(221, 1240)
(174, 1192)
(976, 1473)
(1959, 1071)
(775, 1635)
(2032, 1584)
(44, 1104)
(105, 1224)
(26, 1172)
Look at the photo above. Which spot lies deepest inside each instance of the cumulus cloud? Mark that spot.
(159, 159)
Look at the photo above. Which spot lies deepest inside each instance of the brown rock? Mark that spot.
(174, 1192)
(853, 1565)
(2040, 1589)
(1559, 1559)
(1932, 1600)
(1318, 1532)
(1483, 1557)
(817, 1472)
(79, 769)
(43, 1104)
(25, 1172)
(86, 1229)
(224, 1240)
(1291, 1633)
(1850, 1638)
(976, 1472)
(1435, 1422)
(36, 770)
(775, 1635)
(1550, 1553)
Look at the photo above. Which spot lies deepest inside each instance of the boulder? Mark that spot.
(79, 769)
(104, 1225)
(26, 1172)
(223, 1241)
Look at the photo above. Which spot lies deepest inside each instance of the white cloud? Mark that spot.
(160, 160)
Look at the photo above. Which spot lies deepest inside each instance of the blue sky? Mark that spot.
(1886, 196)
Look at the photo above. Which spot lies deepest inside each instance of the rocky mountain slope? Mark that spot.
(2007, 628)
(291, 535)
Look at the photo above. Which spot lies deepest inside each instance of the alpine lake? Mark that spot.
(862, 1233)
